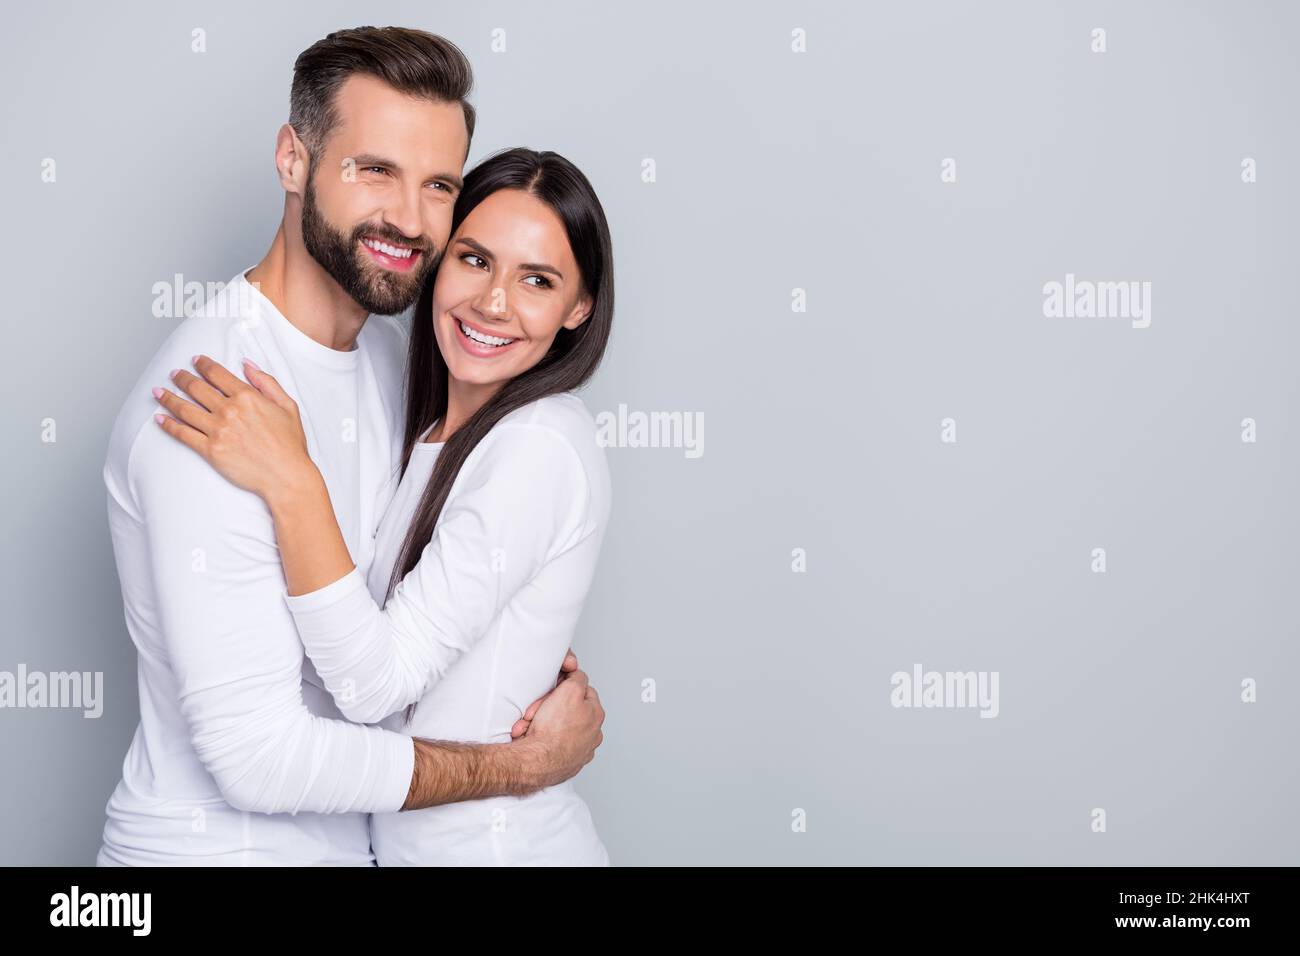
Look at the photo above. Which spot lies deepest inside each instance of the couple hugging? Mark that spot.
(352, 560)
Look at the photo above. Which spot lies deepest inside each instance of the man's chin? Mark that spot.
(377, 305)
(384, 297)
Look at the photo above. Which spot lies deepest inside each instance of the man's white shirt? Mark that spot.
(240, 757)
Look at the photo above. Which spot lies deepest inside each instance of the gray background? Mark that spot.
(776, 170)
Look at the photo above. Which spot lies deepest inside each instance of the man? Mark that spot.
(241, 757)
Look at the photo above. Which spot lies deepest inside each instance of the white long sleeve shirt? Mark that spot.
(240, 757)
(477, 630)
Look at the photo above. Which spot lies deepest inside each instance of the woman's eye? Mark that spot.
(470, 259)
(542, 282)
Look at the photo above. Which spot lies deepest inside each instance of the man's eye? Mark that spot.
(375, 169)
(442, 186)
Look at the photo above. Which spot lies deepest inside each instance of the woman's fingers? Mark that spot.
(193, 415)
(220, 376)
(182, 432)
(197, 389)
(266, 383)
(531, 712)
(567, 667)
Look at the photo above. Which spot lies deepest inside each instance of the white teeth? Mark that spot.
(394, 251)
(482, 339)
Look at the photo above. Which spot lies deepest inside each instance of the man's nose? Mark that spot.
(404, 215)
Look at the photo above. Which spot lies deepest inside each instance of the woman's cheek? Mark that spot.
(538, 325)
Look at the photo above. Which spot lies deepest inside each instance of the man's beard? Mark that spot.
(379, 291)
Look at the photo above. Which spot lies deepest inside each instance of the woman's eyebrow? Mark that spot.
(478, 247)
(541, 267)
(482, 250)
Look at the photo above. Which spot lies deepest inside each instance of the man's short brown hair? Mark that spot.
(411, 61)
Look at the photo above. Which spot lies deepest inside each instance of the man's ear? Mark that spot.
(292, 161)
(581, 313)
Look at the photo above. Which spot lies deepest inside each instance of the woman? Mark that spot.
(488, 547)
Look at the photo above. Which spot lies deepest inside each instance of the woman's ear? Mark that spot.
(581, 313)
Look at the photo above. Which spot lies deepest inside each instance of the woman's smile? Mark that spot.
(478, 341)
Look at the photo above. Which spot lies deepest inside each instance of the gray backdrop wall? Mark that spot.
(923, 173)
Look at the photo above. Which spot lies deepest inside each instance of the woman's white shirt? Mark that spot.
(478, 628)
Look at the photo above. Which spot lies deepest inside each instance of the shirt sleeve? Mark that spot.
(235, 652)
(522, 498)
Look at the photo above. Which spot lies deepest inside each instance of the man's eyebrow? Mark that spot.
(451, 179)
(371, 159)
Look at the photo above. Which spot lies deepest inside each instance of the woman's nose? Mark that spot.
(491, 301)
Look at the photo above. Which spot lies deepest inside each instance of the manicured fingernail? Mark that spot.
(157, 393)
(251, 364)
(159, 418)
(173, 373)
(194, 359)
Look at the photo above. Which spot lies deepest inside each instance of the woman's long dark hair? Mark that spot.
(570, 362)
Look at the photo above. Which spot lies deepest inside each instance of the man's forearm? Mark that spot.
(448, 772)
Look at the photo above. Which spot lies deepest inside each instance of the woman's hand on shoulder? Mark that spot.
(251, 433)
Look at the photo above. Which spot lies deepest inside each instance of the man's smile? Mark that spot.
(392, 256)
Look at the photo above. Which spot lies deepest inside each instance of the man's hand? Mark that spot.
(564, 733)
(521, 725)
